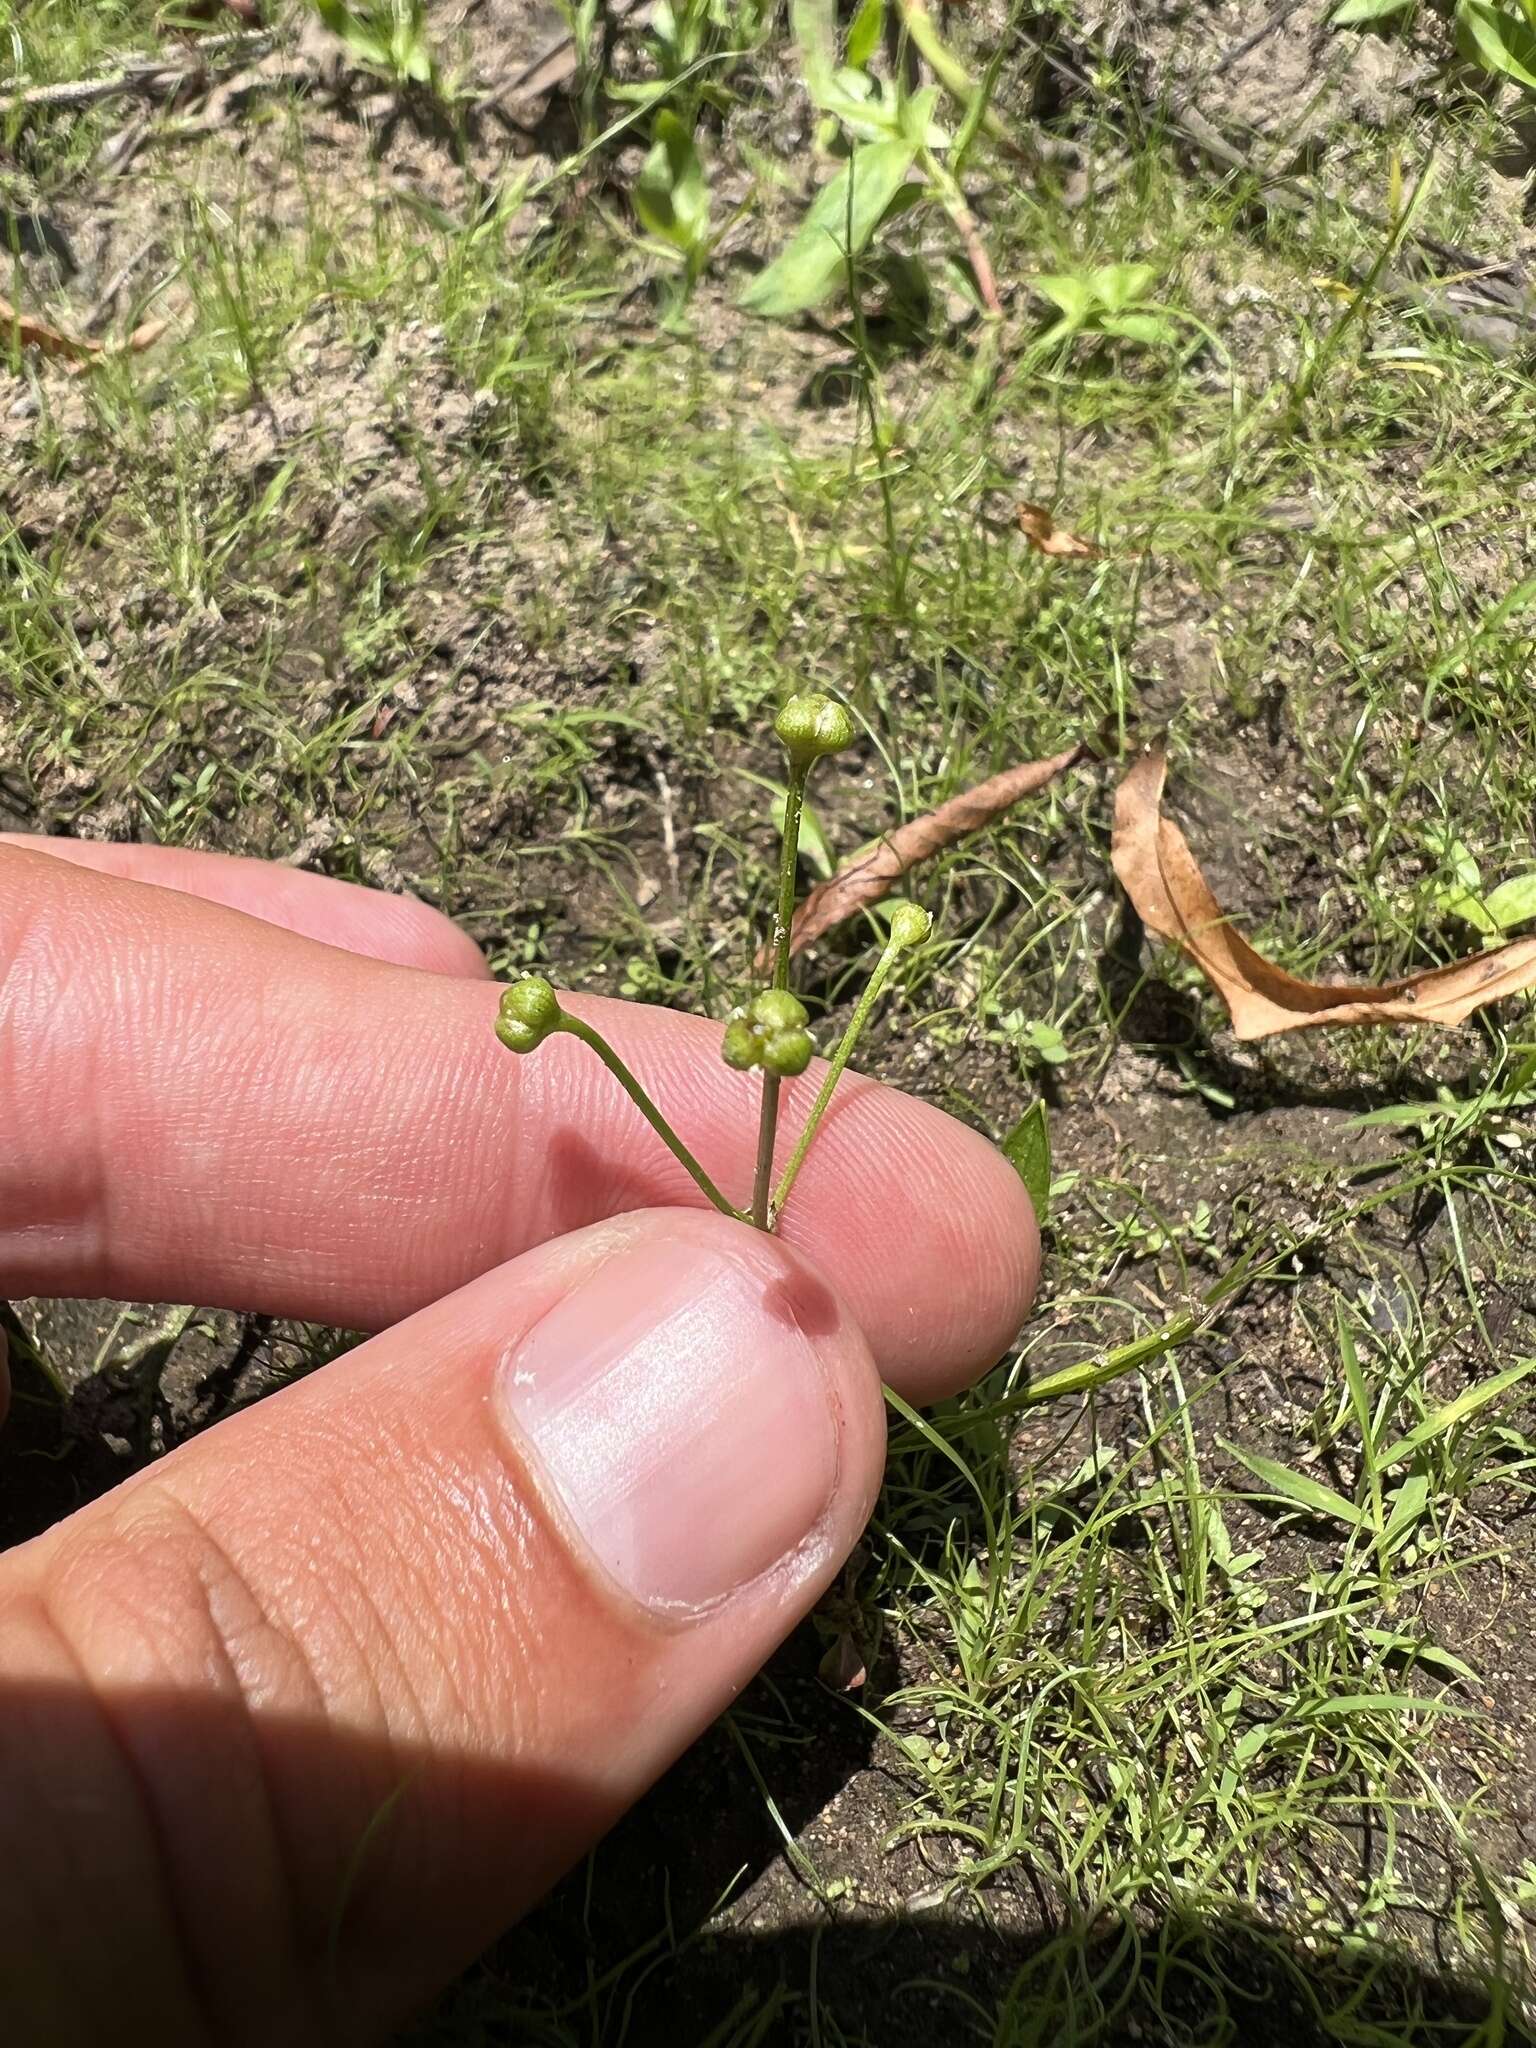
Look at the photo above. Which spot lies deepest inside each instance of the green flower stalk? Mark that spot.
(530, 1012)
(809, 726)
(909, 927)
(767, 1034)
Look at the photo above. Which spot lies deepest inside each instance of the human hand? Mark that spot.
(294, 1721)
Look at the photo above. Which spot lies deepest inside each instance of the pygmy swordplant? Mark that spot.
(766, 1034)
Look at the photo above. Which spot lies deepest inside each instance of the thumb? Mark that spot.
(296, 1721)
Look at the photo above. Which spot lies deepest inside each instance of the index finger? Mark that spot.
(367, 921)
(201, 1107)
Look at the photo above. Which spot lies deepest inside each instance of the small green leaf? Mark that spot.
(671, 197)
(1513, 902)
(842, 217)
(1071, 294)
(1027, 1148)
(1408, 1114)
(1466, 1404)
(1346, 1704)
(1118, 285)
(1354, 1378)
(409, 53)
(854, 88)
(1353, 12)
(1501, 42)
(917, 119)
(1150, 329)
(1298, 1487)
(1046, 1043)
(1408, 1505)
(864, 32)
(1472, 910)
(1108, 1365)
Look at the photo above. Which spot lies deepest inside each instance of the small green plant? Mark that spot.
(1460, 893)
(767, 1034)
(671, 198)
(389, 36)
(1113, 300)
(897, 151)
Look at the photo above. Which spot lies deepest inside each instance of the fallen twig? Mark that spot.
(75, 349)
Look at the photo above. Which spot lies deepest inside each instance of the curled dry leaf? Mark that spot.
(842, 1664)
(1047, 538)
(876, 873)
(72, 348)
(1163, 880)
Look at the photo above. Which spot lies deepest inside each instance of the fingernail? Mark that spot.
(679, 1419)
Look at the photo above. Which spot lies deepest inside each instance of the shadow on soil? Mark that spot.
(622, 1952)
(1178, 1981)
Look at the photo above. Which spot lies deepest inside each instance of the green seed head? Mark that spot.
(910, 925)
(529, 1011)
(775, 1009)
(741, 1047)
(787, 1053)
(811, 725)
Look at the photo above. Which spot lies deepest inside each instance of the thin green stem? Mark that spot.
(648, 1110)
(767, 1132)
(834, 1073)
(783, 922)
(789, 869)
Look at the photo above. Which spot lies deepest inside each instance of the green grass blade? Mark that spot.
(1299, 1488)
(1458, 1411)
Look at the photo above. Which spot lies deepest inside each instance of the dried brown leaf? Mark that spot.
(842, 1664)
(1047, 538)
(145, 335)
(50, 341)
(876, 873)
(75, 349)
(1163, 880)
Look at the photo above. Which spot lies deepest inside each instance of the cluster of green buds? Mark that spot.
(769, 1032)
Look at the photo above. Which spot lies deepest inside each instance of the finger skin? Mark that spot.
(400, 929)
(298, 1719)
(200, 1107)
